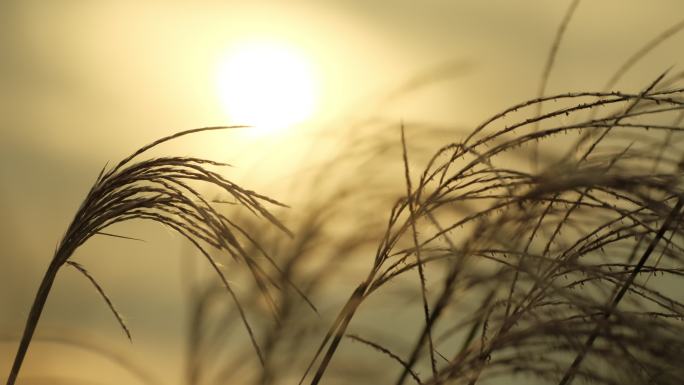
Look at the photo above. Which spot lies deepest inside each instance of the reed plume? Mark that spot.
(162, 190)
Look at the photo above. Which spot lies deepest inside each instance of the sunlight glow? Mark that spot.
(268, 85)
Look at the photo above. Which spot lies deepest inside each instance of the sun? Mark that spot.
(268, 85)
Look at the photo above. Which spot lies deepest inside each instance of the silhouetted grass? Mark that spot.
(158, 189)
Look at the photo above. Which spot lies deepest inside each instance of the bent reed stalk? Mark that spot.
(157, 189)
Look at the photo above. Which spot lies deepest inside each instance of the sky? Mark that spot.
(86, 83)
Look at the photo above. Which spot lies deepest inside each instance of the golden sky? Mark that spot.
(85, 83)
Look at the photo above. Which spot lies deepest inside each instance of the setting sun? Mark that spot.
(268, 85)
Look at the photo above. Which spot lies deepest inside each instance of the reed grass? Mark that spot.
(161, 190)
(564, 291)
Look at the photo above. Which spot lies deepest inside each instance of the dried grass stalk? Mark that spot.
(161, 190)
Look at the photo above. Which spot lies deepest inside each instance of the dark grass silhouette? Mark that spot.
(601, 202)
(161, 190)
